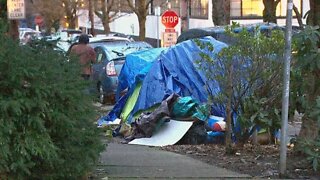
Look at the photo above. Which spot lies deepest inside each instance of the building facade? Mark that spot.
(197, 14)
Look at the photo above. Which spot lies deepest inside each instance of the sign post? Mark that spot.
(286, 91)
(157, 12)
(169, 19)
(16, 10)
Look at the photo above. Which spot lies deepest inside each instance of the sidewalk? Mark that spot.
(123, 161)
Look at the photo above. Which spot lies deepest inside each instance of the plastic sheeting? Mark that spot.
(176, 72)
(133, 71)
(130, 103)
(135, 68)
(188, 107)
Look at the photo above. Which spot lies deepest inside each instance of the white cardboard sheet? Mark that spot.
(169, 133)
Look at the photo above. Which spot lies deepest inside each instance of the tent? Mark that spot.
(134, 70)
(173, 71)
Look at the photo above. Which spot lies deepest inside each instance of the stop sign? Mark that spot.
(38, 20)
(169, 19)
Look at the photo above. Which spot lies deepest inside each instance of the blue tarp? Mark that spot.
(136, 67)
(176, 72)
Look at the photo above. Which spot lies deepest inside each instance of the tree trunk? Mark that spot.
(106, 27)
(14, 29)
(269, 11)
(221, 12)
(142, 28)
(309, 129)
(91, 18)
(72, 24)
(184, 10)
(228, 140)
(316, 12)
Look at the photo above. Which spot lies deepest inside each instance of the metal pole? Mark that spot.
(286, 90)
(188, 13)
(157, 13)
(157, 31)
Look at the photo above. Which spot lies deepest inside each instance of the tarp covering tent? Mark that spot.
(134, 70)
(175, 71)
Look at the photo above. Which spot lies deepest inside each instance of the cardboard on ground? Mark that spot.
(169, 133)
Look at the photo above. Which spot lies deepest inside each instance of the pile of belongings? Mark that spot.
(172, 108)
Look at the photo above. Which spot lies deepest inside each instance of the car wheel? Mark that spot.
(101, 94)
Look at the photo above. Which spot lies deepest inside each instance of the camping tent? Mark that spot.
(174, 71)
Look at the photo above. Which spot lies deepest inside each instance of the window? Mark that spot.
(100, 55)
(282, 7)
(199, 9)
(254, 8)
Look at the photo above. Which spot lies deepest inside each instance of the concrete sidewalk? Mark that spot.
(123, 161)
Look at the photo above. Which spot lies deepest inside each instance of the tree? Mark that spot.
(46, 118)
(106, 13)
(51, 16)
(247, 74)
(221, 12)
(13, 27)
(269, 11)
(313, 15)
(298, 15)
(70, 9)
(91, 17)
(306, 92)
(140, 8)
(3, 10)
(3, 16)
(306, 81)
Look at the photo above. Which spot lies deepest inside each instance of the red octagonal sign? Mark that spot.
(169, 19)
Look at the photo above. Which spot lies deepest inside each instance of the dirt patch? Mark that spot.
(258, 161)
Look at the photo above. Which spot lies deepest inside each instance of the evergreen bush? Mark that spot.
(46, 118)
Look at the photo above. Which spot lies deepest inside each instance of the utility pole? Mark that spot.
(286, 90)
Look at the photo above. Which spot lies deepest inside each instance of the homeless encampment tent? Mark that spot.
(134, 70)
(174, 71)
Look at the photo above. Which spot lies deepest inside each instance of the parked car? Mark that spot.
(218, 32)
(110, 59)
(28, 34)
(98, 40)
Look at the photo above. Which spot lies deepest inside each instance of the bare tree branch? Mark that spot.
(110, 5)
(132, 7)
(299, 17)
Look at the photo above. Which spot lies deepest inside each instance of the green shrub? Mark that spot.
(46, 118)
(249, 75)
(305, 93)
